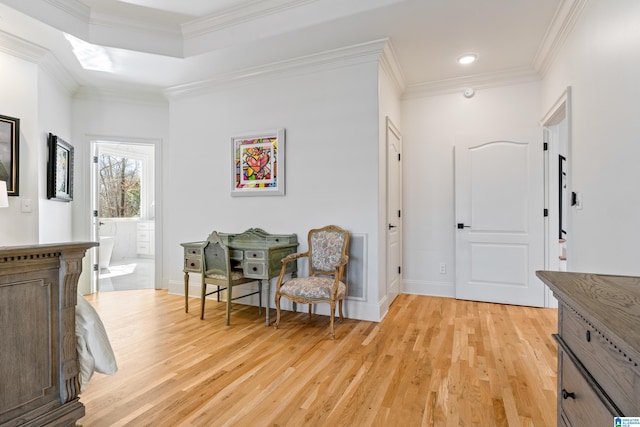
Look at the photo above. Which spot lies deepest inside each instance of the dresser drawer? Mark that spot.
(580, 404)
(607, 362)
(254, 269)
(192, 264)
(254, 254)
(193, 251)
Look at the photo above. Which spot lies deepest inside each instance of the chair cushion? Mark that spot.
(235, 275)
(312, 288)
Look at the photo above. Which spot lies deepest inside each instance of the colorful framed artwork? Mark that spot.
(9, 153)
(257, 164)
(60, 170)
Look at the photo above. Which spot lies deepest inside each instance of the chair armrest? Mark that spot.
(342, 262)
(295, 256)
(283, 270)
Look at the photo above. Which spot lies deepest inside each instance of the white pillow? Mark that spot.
(94, 349)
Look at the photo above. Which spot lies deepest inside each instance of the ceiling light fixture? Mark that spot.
(467, 58)
(91, 57)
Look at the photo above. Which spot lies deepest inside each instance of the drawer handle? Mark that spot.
(193, 264)
(566, 394)
(255, 268)
(254, 255)
(588, 336)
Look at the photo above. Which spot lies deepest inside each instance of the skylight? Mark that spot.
(90, 56)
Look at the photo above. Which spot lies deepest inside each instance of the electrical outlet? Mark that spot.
(443, 268)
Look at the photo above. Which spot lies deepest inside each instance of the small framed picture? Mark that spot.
(60, 170)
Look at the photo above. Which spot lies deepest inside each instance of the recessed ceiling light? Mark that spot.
(467, 58)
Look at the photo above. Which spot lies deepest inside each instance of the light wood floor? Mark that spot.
(430, 362)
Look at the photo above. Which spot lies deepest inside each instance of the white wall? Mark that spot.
(130, 117)
(54, 116)
(600, 60)
(19, 99)
(430, 126)
(332, 157)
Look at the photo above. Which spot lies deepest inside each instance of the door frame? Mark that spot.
(391, 128)
(560, 112)
(91, 141)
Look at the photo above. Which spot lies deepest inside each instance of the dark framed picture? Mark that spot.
(60, 170)
(9, 153)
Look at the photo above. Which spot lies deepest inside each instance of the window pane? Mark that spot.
(119, 187)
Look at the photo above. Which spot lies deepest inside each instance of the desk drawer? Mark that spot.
(193, 251)
(254, 269)
(607, 363)
(283, 240)
(255, 254)
(192, 264)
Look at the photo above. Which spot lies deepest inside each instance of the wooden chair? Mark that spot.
(218, 271)
(327, 255)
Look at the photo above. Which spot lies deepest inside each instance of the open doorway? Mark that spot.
(123, 215)
(558, 200)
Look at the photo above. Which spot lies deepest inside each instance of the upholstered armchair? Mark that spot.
(218, 271)
(327, 257)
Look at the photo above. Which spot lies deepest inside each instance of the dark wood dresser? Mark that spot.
(598, 347)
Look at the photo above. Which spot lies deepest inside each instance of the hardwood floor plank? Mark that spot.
(431, 362)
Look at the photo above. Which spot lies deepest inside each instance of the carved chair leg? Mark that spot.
(275, 325)
(340, 308)
(333, 310)
(310, 311)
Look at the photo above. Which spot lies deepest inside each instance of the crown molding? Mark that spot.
(391, 66)
(246, 11)
(50, 65)
(31, 52)
(74, 8)
(559, 29)
(21, 48)
(356, 54)
(477, 81)
(121, 23)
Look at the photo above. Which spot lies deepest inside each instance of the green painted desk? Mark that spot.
(256, 251)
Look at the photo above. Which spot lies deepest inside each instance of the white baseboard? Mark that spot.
(436, 289)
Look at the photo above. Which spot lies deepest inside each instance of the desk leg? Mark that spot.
(268, 304)
(186, 292)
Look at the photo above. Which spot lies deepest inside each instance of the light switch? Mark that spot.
(25, 205)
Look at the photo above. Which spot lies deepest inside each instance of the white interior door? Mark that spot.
(394, 211)
(500, 218)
